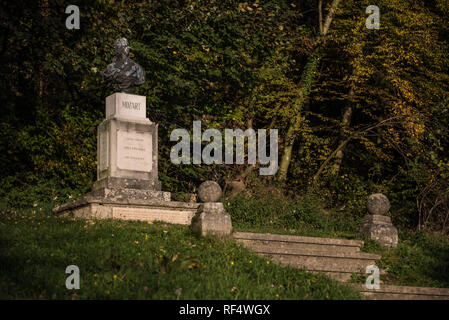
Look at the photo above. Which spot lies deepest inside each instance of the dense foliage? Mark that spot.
(358, 110)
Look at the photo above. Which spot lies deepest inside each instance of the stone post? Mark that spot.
(376, 225)
(211, 218)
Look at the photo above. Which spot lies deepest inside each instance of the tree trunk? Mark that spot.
(307, 78)
(348, 109)
(345, 121)
(306, 82)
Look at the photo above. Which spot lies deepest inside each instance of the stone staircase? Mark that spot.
(337, 258)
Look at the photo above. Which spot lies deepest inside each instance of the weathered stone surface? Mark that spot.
(378, 203)
(376, 225)
(126, 106)
(381, 229)
(129, 193)
(134, 150)
(153, 214)
(339, 258)
(355, 245)
(126, 183)
(209, 191)
(127, 161)
(90, 207)
(212, 220)
(127, 149)
(294, 247)
(321, 263)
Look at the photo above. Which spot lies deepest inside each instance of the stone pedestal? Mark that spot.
(92, 207)
(380, 228)
(127, 150)
(212, 220)
(377, 226)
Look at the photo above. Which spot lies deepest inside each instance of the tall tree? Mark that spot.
(308, 77)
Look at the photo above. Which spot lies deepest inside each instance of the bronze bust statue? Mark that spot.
(123, 72)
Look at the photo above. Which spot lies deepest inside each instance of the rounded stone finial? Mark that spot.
(378, 203)
(209, 191)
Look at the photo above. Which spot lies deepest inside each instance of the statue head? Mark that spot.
(121, 47)
(123, 72)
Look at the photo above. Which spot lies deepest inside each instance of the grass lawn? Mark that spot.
(420, 260)
(138, 260)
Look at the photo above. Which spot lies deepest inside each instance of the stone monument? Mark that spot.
(127, 185)
(127, 151)
(376, 225)
(211, 218)
(127, 139)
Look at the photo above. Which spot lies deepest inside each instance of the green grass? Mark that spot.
(302, 216)
(420, 259)
(138, 260)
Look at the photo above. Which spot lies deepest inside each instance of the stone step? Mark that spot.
(293, 247)
(340, 276)
(389, 292)
(322, 263)
(337, 258)
(300, 241)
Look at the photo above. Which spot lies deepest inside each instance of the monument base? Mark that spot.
(92, 207)
(124, 194)
(126, 183)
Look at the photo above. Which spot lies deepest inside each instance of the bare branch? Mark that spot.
(355, 135)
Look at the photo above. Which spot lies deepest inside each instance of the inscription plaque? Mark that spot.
(134, 150)
(129, 106)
